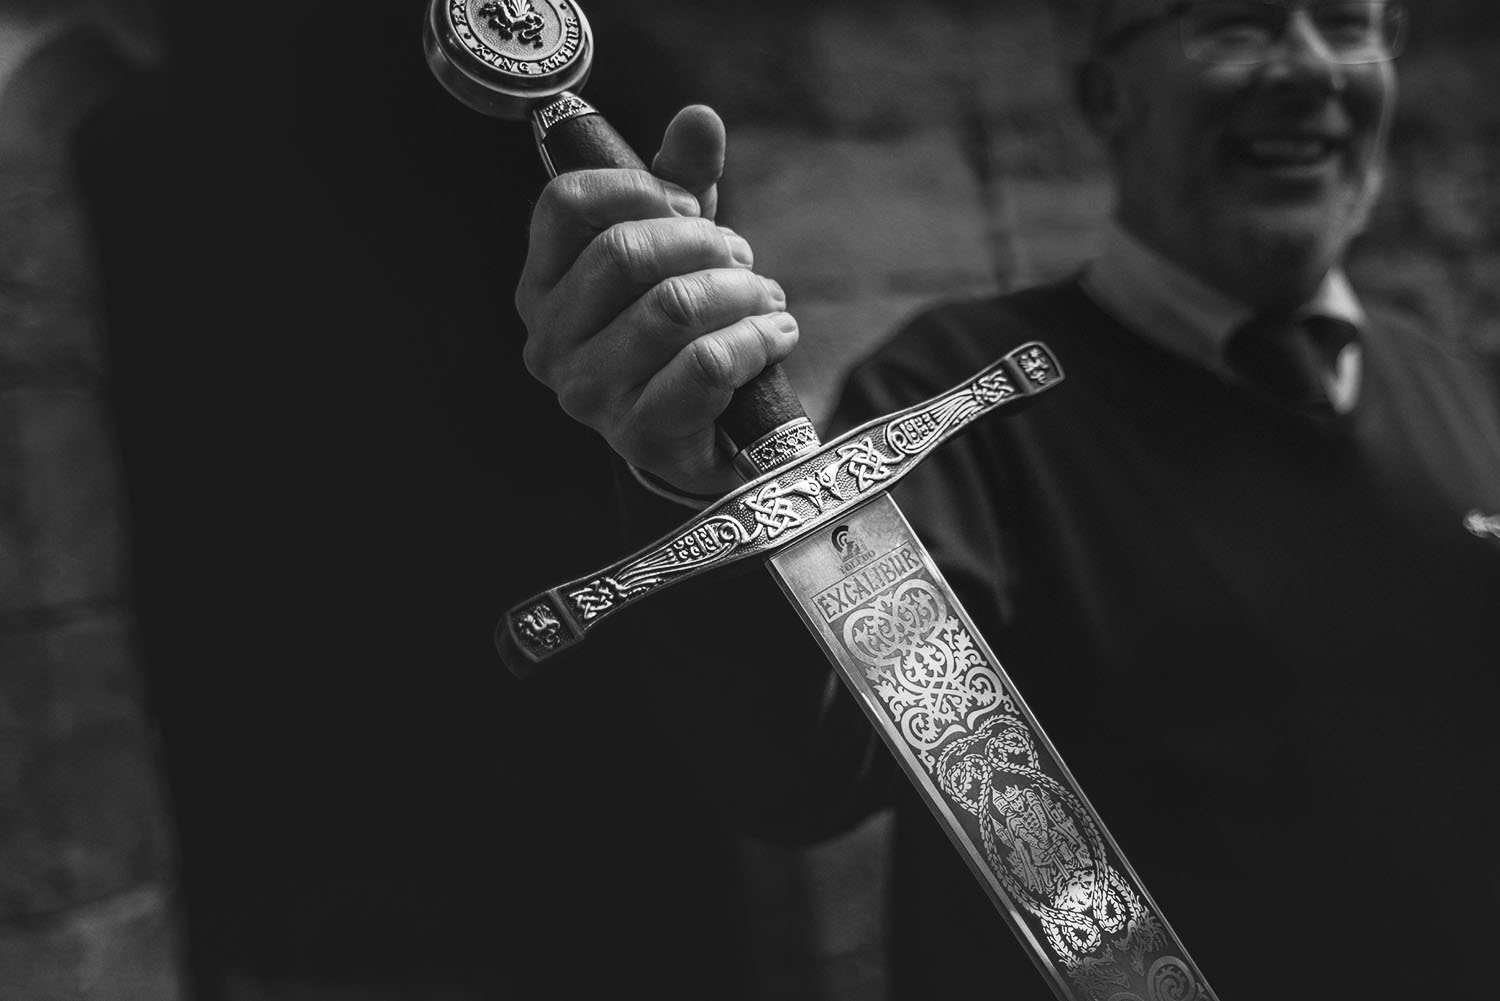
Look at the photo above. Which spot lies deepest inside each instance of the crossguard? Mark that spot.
(770, 513)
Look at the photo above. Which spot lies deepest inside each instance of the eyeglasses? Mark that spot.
(1244, 32)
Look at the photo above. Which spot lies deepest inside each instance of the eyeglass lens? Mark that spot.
(1244, 31)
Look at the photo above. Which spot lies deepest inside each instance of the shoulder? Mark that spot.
(1409, 349)
(948, 342)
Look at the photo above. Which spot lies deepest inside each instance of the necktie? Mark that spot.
(1290, 359)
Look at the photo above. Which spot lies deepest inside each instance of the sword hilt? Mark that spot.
(524, 60)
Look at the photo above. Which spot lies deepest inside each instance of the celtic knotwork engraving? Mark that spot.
(538, 627)
(600, 596)
(775, 509)
(994, 387)
(914, 433)
(707, 542)
(923, 664)
(1043, 846)
(514, 19)
(865, 463)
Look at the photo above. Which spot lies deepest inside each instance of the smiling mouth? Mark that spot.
(1287, 151)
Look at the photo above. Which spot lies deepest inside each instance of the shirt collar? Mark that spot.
(1164, 303)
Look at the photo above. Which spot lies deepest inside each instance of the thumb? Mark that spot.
(692, 154)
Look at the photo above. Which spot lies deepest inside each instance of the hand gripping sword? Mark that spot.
(821, 517)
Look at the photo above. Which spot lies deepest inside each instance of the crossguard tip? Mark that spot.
(534, 631)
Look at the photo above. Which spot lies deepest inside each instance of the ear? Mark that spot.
(1097, 92)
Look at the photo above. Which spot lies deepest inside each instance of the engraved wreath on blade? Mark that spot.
(923, 664)
(1039, 840)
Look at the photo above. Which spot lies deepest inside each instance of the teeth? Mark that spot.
(1294, 151)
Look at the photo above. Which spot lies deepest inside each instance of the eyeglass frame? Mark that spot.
(1123, 34)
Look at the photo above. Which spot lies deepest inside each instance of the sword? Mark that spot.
(820, 516)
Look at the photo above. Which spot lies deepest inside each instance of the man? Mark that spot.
(1225, 562)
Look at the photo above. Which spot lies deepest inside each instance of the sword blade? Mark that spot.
(882, 612)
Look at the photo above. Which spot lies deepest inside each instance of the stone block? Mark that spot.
(841, 68)
(1022, 54)
(46, 339)
(1055, 223)
(44, 238)
(67, 680)
(877, 70)
(126, 948)
(81, 817)
(60, 501)
(81, 806)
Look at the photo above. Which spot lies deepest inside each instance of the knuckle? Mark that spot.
(704, 231)
(569, 192)
(622, 247)
(533, 357)
(680, 299)
(560, 198)
(525, 302)
(713, 361)
(579, 400)
(764, 337)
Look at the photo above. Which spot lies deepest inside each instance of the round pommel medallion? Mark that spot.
(503, 57)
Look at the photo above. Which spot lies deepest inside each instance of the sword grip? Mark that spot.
(571, 135)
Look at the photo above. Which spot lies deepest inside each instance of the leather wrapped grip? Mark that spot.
(762, 405)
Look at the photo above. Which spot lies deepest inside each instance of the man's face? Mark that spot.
(1254, 177)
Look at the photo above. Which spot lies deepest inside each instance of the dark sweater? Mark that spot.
(1266, 647)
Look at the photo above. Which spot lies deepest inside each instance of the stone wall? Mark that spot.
(87, 903)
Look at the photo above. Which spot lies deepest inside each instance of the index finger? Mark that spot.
(577, 206)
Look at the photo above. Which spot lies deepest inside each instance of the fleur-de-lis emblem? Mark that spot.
(514, 19)
(539, 628)
(1037, 366)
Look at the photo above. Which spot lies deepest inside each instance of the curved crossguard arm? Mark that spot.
(773, 511)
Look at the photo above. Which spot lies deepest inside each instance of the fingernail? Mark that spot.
(785, 322)
(739, 247)
(778, 294)
(682, 201)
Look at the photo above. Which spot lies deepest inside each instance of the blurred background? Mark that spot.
(270, 468)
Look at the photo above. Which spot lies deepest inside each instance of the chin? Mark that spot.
(1281, 253)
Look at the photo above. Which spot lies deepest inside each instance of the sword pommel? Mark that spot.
(506, 58)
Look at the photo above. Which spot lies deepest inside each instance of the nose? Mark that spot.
(1302, 56)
